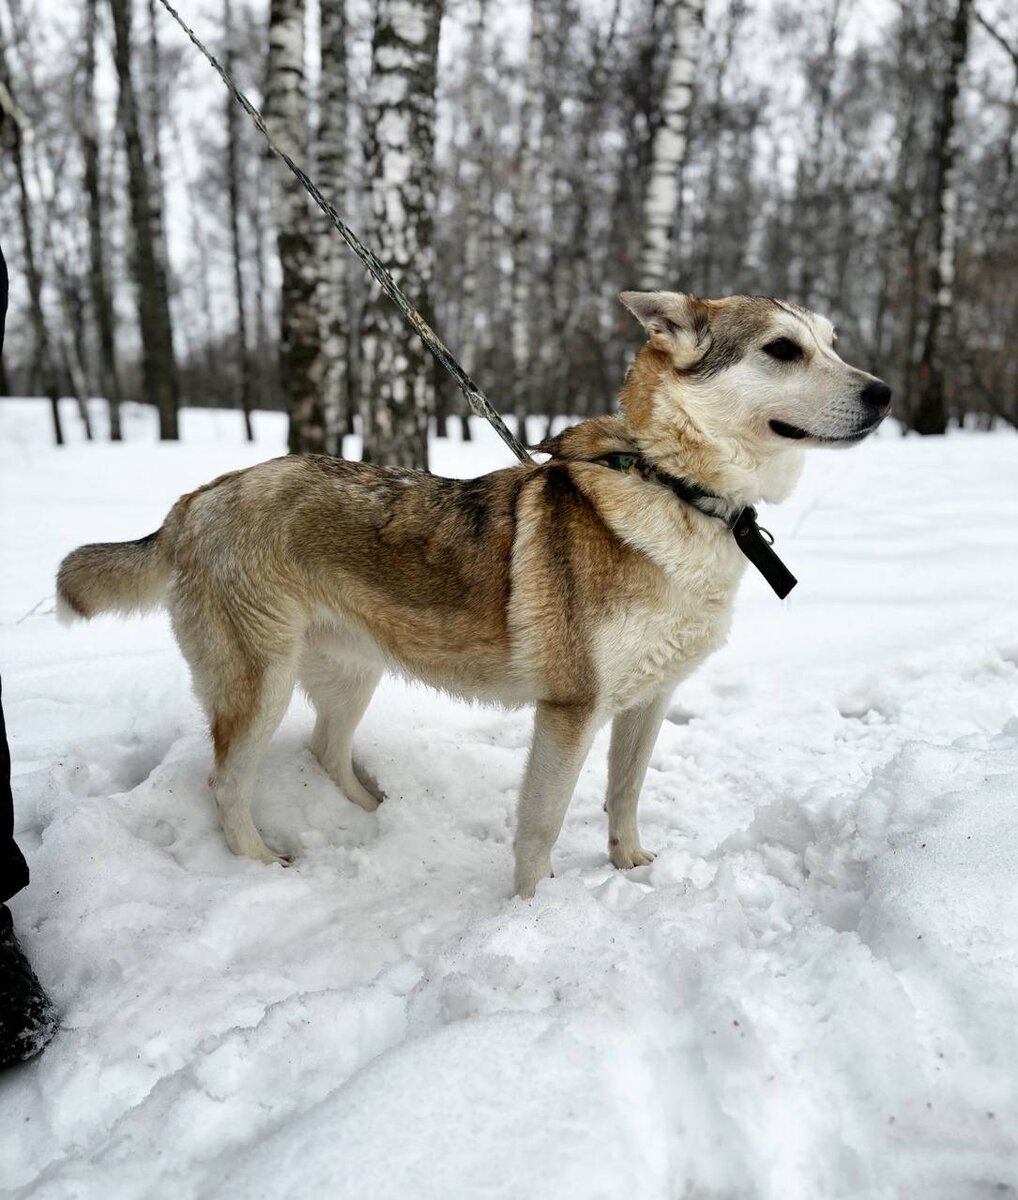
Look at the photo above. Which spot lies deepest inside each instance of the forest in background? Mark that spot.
(515, 165)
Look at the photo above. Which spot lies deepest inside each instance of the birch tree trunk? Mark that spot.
(711, 135)
(468, 176)
(397, 392)
(333, 251)
(300, 338)
(98, 285)
(44, 365)
(812, 222)
(471, 170)
(153, 143)
(51, 219)
(332, 178)
(69, 342)
(664, 191)
(931, 406)
(159, 368)
(524, 218)
(578, 308)
(233, 184)
(267, 368)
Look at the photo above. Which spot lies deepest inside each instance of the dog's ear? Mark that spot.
(676, 323)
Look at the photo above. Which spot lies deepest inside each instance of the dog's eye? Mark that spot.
(783, 349)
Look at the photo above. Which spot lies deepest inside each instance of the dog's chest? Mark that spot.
(653, 645)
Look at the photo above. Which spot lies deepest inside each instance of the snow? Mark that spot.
(811, 993)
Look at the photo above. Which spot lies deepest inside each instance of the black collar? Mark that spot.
(754, 542)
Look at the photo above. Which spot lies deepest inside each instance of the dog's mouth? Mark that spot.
(796, 434)
(783, 429)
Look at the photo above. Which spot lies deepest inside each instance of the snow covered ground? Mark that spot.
(811, 994)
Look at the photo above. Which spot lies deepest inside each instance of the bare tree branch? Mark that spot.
(998, 37)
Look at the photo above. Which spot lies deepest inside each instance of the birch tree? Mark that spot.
(300, 350)
(471, 181)
(931, 406)
(578, 308)
(332, 160)
(268, 363)
(397, 383)
(233, 186)
(98, 276)
(154, 119)
(11, 125)
(45, 159)
(663, 199)
(810, 222)
(159, 367)
(713, 123)
(525, 217)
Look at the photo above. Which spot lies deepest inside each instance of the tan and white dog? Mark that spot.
(583, 585)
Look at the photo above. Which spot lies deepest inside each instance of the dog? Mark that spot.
(587, 585)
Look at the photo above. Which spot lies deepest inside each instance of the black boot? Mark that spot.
(27, 1018)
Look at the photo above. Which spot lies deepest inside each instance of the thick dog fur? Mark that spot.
(583, 590)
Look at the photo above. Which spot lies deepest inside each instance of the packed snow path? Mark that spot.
(811, 994)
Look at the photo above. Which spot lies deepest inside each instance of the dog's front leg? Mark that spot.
(634, 733)
(562, 737)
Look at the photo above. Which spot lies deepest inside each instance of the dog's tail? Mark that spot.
(122, 577)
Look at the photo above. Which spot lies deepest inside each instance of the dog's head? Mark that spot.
(753, 377)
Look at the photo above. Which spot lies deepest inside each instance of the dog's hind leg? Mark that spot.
(340, 694)
(240, 735)
(562, 737)
(634, 733)
(245, 690)
(242, 724)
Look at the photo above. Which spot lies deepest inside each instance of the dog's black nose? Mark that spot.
(877, 395)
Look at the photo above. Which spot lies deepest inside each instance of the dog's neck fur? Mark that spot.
(675, 430)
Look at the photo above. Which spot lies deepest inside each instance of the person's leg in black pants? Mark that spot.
(27, 1019)
(13, 868)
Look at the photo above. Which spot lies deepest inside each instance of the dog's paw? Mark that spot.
(247, 842)
(529, 874)
(349, 783)
(354, 790)
(625, 857)
(273, 857)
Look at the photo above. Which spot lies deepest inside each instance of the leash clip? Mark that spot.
(756, 544)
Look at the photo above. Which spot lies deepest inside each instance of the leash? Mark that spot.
(479, 403)
(753, 540)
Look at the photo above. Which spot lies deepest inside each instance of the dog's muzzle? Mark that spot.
(875, 401)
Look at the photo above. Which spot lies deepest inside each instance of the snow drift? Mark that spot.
(812, 992)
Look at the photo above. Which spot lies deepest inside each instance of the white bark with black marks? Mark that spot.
(286, 113)
(332, 179)
(470, 177)
(234, 185)
(662, 201)
(525, 215)
(397, 385)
